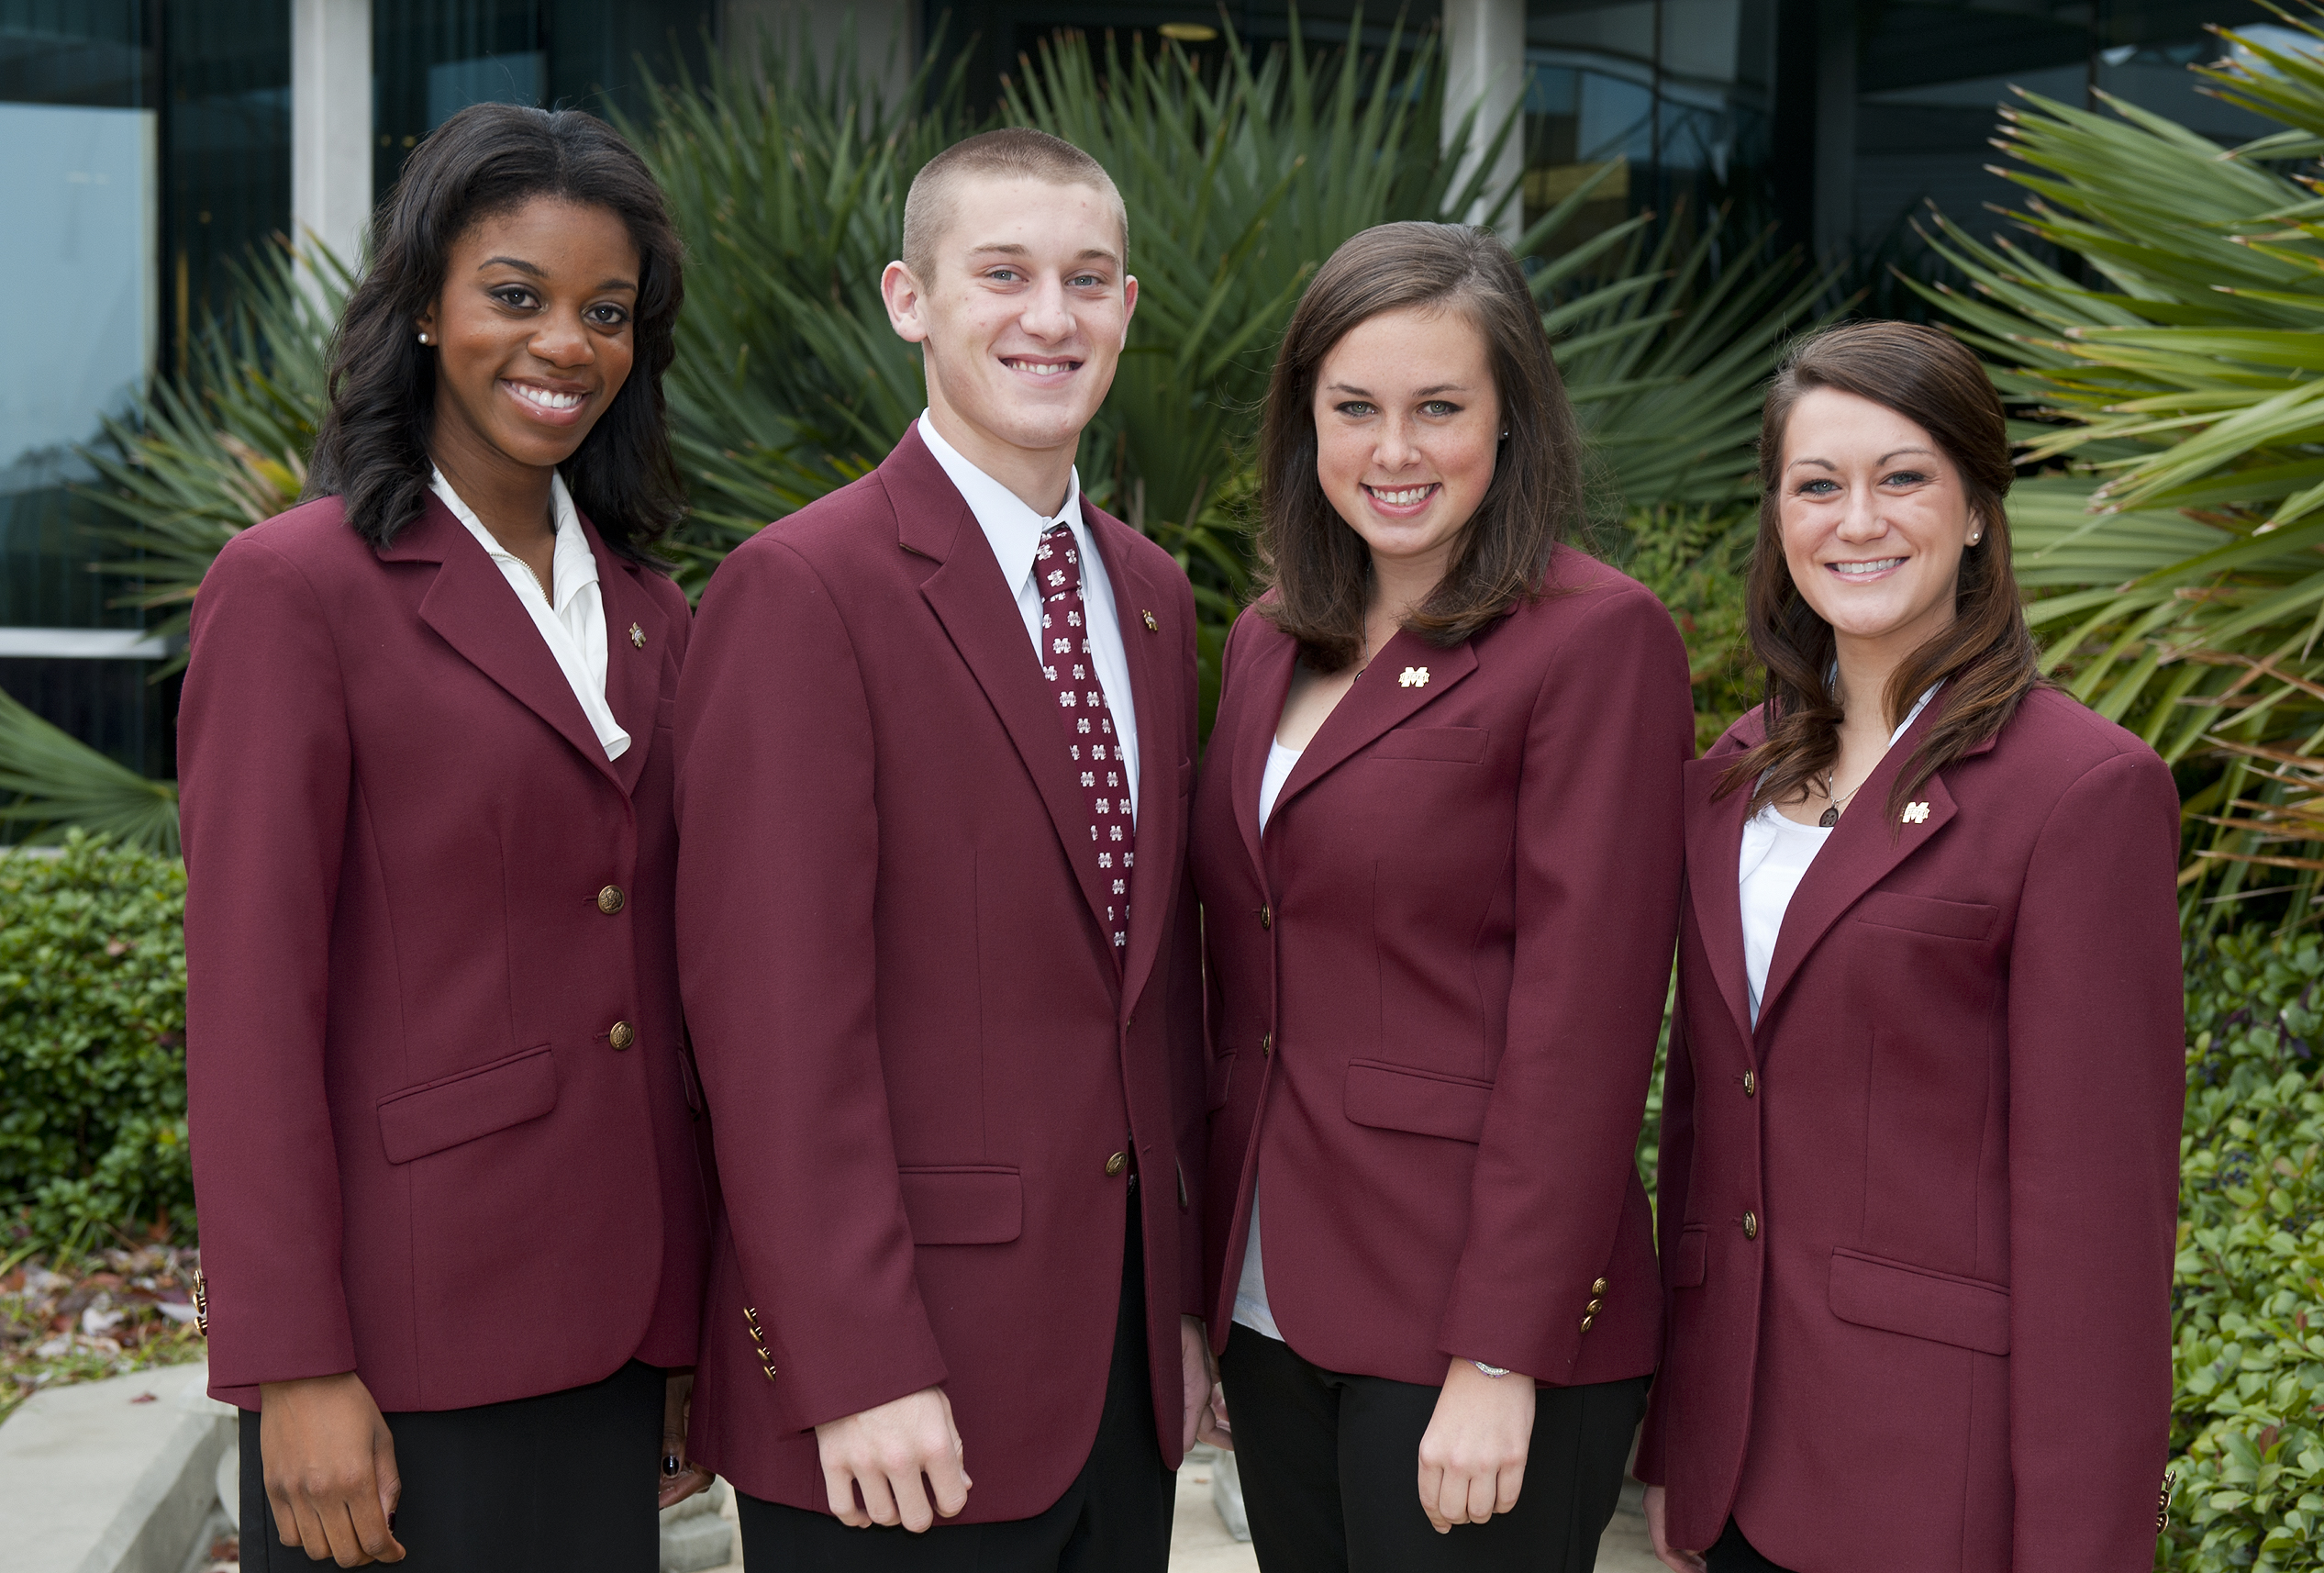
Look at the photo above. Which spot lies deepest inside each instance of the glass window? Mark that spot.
(79, 249)
(1664, 101)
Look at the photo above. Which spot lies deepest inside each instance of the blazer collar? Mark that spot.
(469, 604)
(978, 610)
(1714, 849)
(1869, 842)
(1258, 710)
(1404, 676)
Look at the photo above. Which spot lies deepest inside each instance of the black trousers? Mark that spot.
(1114, 1518)
(1733, 1554)
(1330, 1471)
(562, 1482)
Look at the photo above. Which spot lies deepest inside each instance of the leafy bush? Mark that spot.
(91, 1049)
(2248, 1419)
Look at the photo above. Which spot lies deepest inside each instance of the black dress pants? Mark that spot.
(562, 1482)
(1733, 1554)
(1114, 1518)
(1331, 1469)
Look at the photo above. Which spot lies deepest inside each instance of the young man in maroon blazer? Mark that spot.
(937, 737)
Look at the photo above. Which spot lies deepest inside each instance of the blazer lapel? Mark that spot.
(974, 602)
(1867, 844)
(1258, 699)
(1158, 697)
(471, 606)
(633, 661)
(1405, 674)
(1714, 848)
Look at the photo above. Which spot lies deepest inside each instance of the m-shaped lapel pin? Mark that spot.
(1414, 677)
(1916, 813)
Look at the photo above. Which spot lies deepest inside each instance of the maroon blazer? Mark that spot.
(420, 898)
(1436, 986)
(935, 1093)
(1917, 1229)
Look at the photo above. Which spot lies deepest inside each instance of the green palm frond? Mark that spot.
(2175, 564)
(210, 454)
(48, 780)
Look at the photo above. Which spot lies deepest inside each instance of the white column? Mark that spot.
(1485, 67)
(331, 123)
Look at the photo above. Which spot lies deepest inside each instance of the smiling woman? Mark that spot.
(436, 1077)
(1920, 1122)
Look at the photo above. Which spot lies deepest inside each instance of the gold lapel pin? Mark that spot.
(1916, 813)
(1151, 626)
(637, 636)
(1414, 677)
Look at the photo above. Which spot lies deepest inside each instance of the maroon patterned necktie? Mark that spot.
(1090, 740)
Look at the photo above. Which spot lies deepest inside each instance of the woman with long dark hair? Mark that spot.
(1436, 842)
(1919, 1162)
(453, 1216)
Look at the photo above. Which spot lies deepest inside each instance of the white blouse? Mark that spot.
(573, 627)
(1776, 853)
(1250, 1293)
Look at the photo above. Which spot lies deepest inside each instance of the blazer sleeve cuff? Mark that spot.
(825, 1397)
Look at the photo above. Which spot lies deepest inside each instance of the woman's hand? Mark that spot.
(1473, 1456)
(680, 1479)
(1677, 1561)
(330, 1469)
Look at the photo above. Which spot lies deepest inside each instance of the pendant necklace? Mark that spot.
(1830, 816)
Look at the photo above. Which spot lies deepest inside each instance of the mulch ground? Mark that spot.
(121, 1311)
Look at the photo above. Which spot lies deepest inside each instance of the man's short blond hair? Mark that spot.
(1013, 152)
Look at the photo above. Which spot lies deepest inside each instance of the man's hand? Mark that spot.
(1472, 1456)
(1677, 1561)
(1205, 1404)
(330, 1469)
(883, 1452)
(680, 1479)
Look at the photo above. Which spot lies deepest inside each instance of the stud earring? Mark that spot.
(423, 337)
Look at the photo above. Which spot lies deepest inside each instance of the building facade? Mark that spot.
(152, 143)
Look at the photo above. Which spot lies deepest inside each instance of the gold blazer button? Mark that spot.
(611, 900)
(622, 1035)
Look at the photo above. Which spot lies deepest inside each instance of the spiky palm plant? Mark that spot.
(2183, 380)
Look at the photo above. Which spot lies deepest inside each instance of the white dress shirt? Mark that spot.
(574, 626)
(1776, 853)
(1014, 531)
(1251, 1309)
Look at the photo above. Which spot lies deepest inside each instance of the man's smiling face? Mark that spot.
(1024, 321)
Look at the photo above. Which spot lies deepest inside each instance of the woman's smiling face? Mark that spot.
(1407, 432)
(1875, 519)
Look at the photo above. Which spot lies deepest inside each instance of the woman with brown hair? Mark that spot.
(1920, 1169)
(1436, 842)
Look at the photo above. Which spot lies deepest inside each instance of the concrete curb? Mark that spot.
(98, 1478)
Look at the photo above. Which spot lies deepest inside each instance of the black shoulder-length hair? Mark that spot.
(1986, 655)
(1320, 567)
(372, 451)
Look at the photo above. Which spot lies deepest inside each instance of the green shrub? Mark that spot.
(91, 1049)
(2248, 1418)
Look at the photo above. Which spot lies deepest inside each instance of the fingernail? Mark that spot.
(669, 1463)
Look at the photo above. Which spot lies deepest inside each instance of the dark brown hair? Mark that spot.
(1985, 656)
(1320, 567)
(491, 159)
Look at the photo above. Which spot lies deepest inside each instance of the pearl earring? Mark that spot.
(423, 337)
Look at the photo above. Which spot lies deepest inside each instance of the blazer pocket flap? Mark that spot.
(1928, 915)
(1397, 1097)
(424, 1119)
(1455, 745)
(1897, 1297)
(963, 1205)
(1687, 1261)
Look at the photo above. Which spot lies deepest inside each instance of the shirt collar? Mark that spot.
(1013, 529)
(573, 564)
